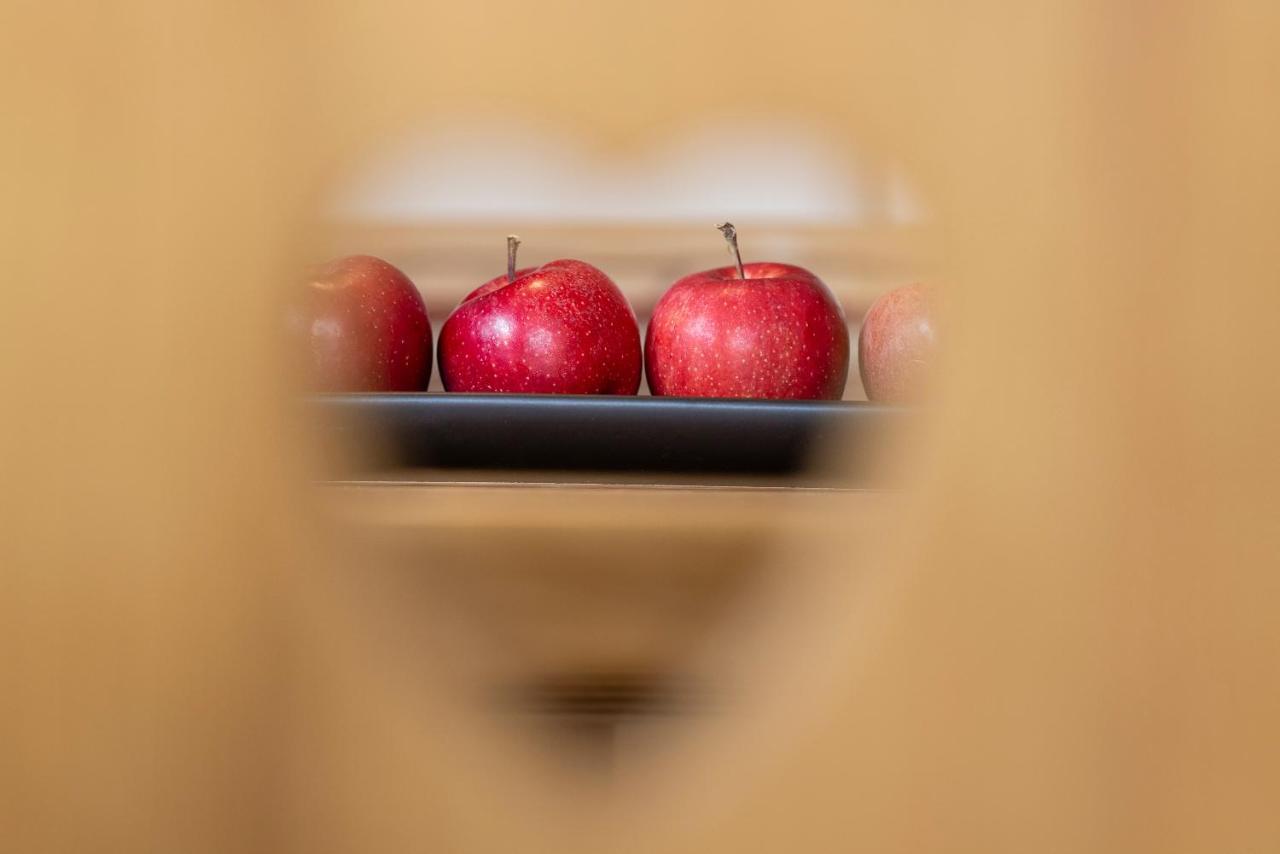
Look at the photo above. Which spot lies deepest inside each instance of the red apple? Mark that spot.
(759, 330)
(562, 328)
(365, 326)
(897, 347)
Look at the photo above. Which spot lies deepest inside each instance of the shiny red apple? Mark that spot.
(562, 328)
(364, 327)
(897, 347)
(759, 330)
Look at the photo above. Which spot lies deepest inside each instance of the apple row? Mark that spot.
(757, 330)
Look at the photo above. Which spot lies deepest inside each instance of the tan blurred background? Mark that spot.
(1059, 634)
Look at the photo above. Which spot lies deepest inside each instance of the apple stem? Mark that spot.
(513, 243)
(731, 236)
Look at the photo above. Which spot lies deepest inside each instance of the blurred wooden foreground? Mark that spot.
(1063, 637)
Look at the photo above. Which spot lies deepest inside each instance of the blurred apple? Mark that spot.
(365, 328)
(760, 330)
(897, 345)
(563, 328)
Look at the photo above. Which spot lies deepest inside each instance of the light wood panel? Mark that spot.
(448, 260)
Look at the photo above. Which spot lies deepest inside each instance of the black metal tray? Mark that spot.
(638, 436)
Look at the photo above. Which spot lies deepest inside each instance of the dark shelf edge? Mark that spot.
(698, 438)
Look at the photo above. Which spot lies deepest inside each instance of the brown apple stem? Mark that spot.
(731, 236)
(513, 243)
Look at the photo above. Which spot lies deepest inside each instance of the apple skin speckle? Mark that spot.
(364, 327)
(897, 345)
(777, 334)
(562, 328)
